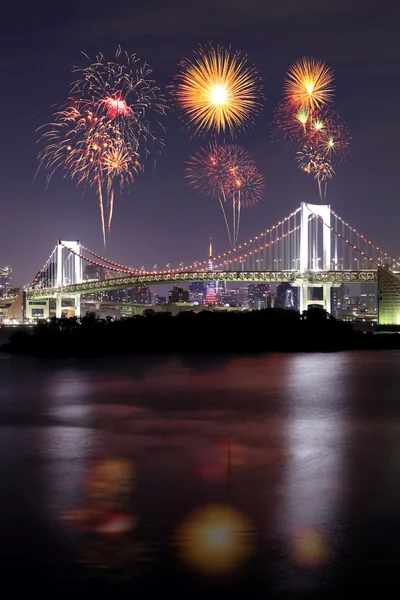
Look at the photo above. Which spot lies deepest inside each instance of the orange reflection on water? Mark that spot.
(310, 548)
(106, 493)
(216, 539)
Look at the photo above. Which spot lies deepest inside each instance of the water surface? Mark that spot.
(300, 454)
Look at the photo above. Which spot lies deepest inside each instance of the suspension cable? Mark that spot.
(344, 239)
(364, 239)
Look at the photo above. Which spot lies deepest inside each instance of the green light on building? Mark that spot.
(388, 297)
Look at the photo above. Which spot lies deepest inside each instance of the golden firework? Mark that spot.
(313, 161)
(218, 91)
(309, 84)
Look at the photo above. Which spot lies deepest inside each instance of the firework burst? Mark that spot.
(218, 91)
(226, 172)
(312, 160)
(334, 138)
(101, 137)
(307, 122)
(292, 123)
(309, 84)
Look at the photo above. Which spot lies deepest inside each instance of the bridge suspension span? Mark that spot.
(311, 247)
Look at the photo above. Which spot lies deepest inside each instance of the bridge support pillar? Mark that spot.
(78, 305)
(58, 306)
(303, 289)
(327, 287)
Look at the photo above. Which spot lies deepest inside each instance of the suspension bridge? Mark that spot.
(311, 247)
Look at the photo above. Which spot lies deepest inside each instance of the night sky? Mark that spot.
(160, 220)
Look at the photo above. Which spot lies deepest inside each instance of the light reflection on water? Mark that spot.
(317, 435)
(279, 438)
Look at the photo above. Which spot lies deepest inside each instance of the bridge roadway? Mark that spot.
(148, 279)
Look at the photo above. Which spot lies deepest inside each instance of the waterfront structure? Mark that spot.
(389, 297)
(310, 248)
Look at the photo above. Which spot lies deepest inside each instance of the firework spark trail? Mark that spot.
(226, 172)
(101, 137)
(218, 91)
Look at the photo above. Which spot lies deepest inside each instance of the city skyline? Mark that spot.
(161, 218)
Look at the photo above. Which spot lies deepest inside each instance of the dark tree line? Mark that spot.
(269, 330)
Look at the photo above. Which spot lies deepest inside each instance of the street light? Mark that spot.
(315, 260)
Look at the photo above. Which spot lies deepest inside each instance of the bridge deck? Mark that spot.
(148, 279)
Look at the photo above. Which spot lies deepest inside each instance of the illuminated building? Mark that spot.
(389, 297)
(197, 292)
(369, 298)
(136, 295)
(337, 298)
(5, 281)
(93, 273)
(139, 295)
(243, 296)
(257, 295)
(178, 294)
(286, 296)
(211, 291)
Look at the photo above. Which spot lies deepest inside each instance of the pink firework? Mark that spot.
(116, 107)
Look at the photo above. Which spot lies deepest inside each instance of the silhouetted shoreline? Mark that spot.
(270, 330)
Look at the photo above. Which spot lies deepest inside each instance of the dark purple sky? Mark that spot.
(160, 220)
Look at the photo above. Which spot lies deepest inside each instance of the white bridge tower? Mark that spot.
(323, 214)
(68, 271)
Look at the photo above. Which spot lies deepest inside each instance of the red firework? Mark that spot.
(226, 172)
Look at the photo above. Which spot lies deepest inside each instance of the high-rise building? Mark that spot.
(136, 295)
(243, 296)
(369, 298)
(5, 281)
(140, 295)
(197, 291)
(94, 273)
(232, 297)
(257, 295)
(337, 298)
(286, 296)
(116, 295)
(178, 294)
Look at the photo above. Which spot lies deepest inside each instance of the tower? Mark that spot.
(211, 291)
(322, 212)
(74, 248)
